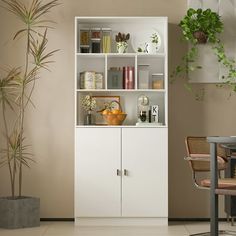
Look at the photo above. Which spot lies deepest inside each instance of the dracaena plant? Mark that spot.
(201, 27)
(17, 84)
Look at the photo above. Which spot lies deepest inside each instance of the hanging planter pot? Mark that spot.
(201, 37)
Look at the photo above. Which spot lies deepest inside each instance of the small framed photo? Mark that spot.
(101, 102)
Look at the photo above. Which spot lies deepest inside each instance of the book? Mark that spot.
(128, 77)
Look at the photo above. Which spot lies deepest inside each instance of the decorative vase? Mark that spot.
(121, 47)
(154, 48)
(88, 119)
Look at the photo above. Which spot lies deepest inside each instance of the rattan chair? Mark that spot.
(198, 156)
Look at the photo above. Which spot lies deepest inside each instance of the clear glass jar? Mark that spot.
(84, 37)
(143, 76)
(84, 40)
(95, 33)
(96, 40)
(158, 81)
(106, 40)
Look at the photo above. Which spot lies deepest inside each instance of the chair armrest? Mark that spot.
(206, 158)
(197, 158)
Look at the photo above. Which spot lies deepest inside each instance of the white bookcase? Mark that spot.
(121, 172)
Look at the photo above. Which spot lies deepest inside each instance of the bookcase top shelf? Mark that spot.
(120, 54)
(122, 90)
(121, 19)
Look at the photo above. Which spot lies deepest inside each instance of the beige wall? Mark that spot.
(50, 125)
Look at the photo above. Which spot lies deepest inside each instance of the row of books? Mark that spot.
(118, 78)
(121, 78)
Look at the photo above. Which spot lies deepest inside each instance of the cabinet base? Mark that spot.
(118, 221)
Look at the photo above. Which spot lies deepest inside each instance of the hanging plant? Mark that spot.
(204, 27)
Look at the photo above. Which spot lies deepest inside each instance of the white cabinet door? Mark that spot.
(97, 186)
(145, 187)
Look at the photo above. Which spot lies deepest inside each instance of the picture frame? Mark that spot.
(101, 100)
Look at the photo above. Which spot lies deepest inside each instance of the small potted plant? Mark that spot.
(121, 42)
(204, 27)
(88, 104)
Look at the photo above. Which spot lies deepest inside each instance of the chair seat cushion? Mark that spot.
(222, 183)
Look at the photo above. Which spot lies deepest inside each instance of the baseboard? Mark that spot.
(194, 219)
(121, 221)
(57, 219)
(169, 219)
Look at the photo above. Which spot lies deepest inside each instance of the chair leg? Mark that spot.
(201, 234)
(232, 221)
(227, 216)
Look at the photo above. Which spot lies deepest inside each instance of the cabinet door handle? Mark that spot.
(118, 172)
(125, 172)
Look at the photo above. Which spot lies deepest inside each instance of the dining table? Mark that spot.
(228, 142)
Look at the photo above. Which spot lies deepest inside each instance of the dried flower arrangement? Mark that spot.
(121, 42)
(122, 37)
(88, 103)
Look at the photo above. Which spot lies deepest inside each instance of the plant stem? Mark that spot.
(22, 109)
(8, 149)
(21, 138)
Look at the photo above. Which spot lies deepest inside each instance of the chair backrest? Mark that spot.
(198, 149)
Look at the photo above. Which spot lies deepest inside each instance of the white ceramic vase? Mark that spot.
(121, 47)
(154, 48)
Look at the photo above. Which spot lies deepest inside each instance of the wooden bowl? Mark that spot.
(114, 119)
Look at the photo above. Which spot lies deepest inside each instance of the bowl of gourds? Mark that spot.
(113, 115)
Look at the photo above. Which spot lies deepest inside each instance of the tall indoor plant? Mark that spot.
(204, 27)
(16, 89)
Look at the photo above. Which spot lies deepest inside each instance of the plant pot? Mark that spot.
(201, 37)
(121, 47)
(21, 212)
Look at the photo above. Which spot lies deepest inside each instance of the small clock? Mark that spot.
(143, 100)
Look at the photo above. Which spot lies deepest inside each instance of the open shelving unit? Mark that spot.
(102, 62)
